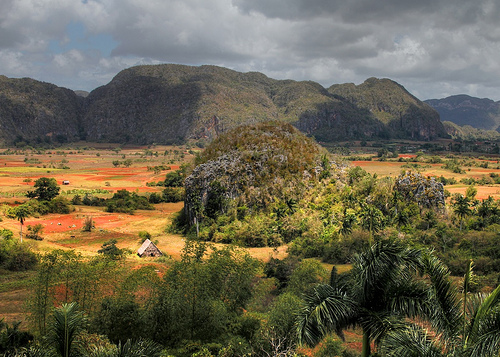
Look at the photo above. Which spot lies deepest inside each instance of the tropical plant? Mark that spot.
(45, 189)
(379, 291)
(461, 207)
(138, 348)
(467, 324)
(68, 322)
(20, 213)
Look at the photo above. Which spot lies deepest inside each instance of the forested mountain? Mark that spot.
(401, 114)
(480, 113)
(173, 103)
(37, 111)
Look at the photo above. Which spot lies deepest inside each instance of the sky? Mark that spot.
(434, 48)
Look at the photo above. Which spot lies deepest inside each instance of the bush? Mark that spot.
(173, 194)
(125, 202)
(15, 256)
(330, 347)
(34, 232)
(88, 224)
(59, 205)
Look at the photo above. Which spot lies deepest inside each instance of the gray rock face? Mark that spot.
(427, 192)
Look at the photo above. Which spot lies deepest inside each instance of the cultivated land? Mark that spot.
(89, 169)
(103, 169)
(394, 168)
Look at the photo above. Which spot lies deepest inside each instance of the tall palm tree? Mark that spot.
(371, 219)
(461, 207)
(467, 324)
(380, 290)
(20, 213)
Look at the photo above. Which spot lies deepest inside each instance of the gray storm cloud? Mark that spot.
(433, 48)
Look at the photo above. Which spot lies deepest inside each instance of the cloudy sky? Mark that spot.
(435, 48)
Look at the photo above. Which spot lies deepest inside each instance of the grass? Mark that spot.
(10, 281)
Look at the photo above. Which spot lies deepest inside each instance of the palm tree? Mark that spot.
(379, 291)
(461, 207)
(68, 322)
(467, 324)
(20, 213)
(402, 218)
(371, 219)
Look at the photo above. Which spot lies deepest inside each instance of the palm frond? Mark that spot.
(487, 341)
(444, 308)
(384, 263)
(481, 314)
(410, 341)
(139, 348)
(409, 298)
(326, 309)
(68, 321)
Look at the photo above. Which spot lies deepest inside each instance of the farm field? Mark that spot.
(394, 168)
(94, 171)
(102, 170)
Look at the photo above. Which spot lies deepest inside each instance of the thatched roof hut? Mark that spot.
(149, 249)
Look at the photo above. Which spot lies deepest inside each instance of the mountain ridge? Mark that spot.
(462, 109)
(173, 103)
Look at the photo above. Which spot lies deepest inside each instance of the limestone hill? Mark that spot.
(174, 103)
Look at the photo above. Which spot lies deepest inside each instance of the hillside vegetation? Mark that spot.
(174, 103)
(402, 114)
(38, 112)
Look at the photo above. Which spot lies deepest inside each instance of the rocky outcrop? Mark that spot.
(252, 166)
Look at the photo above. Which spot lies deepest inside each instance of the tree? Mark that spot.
(371, 219)
(20, 213)
(68, 322)
(401, 219)
(110, 250)
(467, 324)
(45, 189)
(379, 291)
(461, 207)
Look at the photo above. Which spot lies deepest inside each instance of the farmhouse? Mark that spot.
(65, 182)
(149, 249)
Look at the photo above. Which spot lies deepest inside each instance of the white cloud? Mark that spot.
(432, 47)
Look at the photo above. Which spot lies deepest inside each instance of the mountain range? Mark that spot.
(169, 103)
(480, 113)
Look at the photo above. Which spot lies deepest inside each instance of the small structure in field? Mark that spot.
(149, 249)
(65, 182)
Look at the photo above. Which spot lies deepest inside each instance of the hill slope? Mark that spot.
(37, 111)
(173, 103)
(466, 110)
(402, 114)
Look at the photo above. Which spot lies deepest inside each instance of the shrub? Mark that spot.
(173, 194)
(330, 346)
(59, 205)
(88, 224)
(34, 232)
